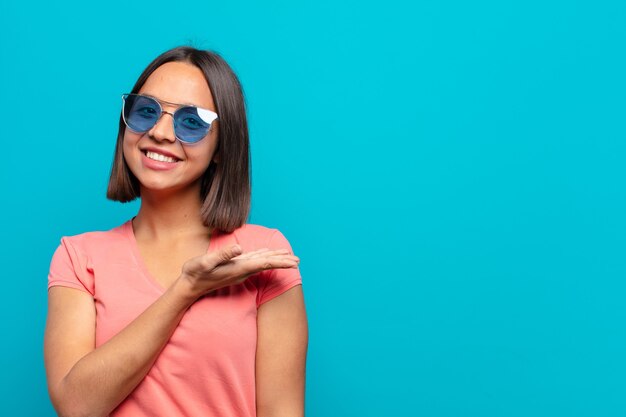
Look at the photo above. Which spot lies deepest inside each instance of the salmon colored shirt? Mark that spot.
(208, 366)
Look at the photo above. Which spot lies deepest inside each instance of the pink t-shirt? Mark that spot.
(208, 366)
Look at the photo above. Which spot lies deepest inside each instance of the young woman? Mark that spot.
(185, 310)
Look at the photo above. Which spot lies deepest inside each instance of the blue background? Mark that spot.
(451, 174)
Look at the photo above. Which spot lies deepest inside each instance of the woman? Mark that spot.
(184, 310)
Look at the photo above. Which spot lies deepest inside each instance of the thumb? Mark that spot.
(227, 254)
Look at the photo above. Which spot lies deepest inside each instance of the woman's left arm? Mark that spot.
(281, 355)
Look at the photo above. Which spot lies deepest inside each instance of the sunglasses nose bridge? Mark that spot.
(158, 133)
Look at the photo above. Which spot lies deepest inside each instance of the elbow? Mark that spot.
(65, 410)
(68, 411)
(67, 404)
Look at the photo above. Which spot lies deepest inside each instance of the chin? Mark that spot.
(166, 187)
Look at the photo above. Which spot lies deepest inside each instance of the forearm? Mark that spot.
(102, 379)
(282, 340)
(282, 409)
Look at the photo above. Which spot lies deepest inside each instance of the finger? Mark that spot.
(265, 253)
(223, 256)
(247, 255)
(284, 256)
(240, 267)
(263, 264)
(281, 260)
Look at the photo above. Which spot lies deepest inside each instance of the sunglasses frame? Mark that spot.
(180, 107)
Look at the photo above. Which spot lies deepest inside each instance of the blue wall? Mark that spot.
(451, 174)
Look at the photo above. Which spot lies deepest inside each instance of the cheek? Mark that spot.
(132, 156)
(129, 141)
(200, 160)
(202, 153)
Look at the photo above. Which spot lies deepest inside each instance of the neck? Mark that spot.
(169, 216)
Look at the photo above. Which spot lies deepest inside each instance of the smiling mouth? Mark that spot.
(158, 157)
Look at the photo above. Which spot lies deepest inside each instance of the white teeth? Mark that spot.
(159, 157)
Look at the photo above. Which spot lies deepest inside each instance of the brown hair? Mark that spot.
(225, 186)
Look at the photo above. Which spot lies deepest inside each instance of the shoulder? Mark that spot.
(72, 264)
(257, 236)
(95, 240)
(254, 231)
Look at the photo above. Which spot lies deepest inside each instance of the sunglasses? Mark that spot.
(141, 113)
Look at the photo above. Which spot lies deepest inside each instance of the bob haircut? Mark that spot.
(225, 186)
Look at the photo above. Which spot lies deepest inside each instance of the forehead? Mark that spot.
(180, 83)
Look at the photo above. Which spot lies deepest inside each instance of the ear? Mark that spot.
(216, 158)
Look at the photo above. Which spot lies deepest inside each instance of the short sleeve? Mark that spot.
(71, 268)
(274, 282)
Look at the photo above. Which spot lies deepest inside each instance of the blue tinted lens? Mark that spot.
(141, 112)
(189, 126)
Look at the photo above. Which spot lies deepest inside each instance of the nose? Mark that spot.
(163, 130)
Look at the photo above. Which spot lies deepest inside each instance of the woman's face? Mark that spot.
(159, 161)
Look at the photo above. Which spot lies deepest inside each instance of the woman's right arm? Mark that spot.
(85, 381)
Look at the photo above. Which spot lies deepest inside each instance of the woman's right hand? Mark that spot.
(230, 266)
